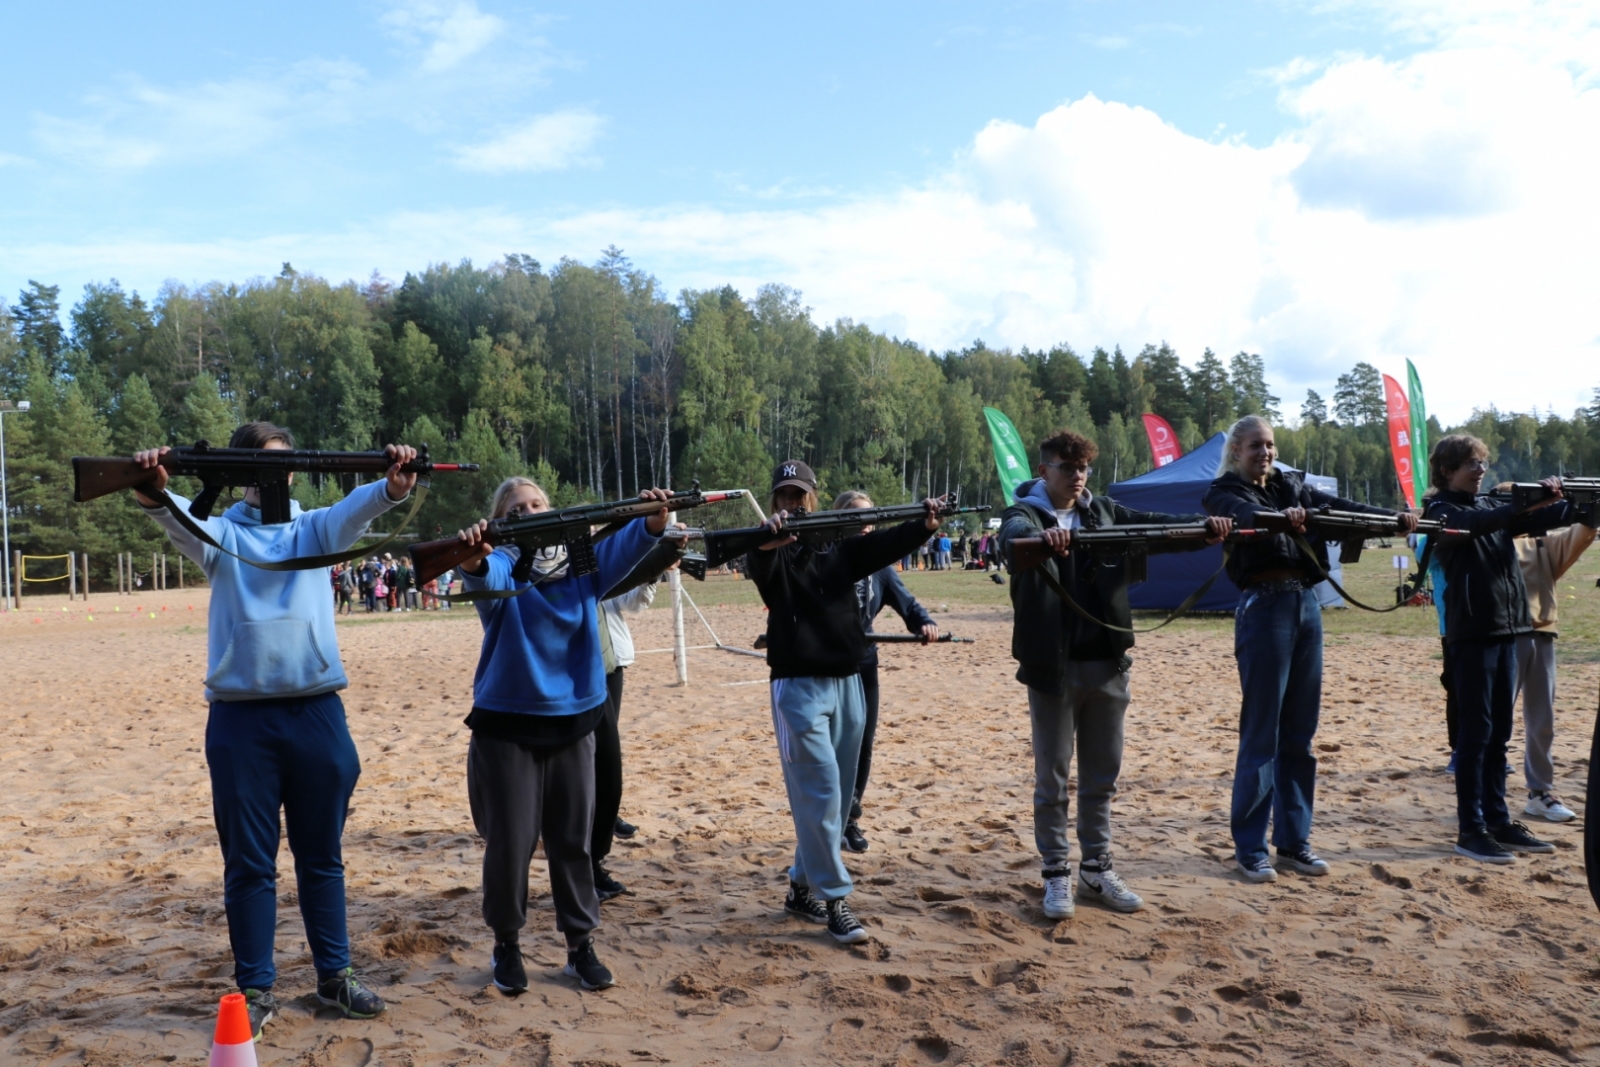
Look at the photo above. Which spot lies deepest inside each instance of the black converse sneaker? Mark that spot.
(842, 923)
(586, 967)
(345, 992)
(801, 903)
(509, 975)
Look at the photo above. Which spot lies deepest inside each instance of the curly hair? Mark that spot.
(1450, 454)
(1068, 447)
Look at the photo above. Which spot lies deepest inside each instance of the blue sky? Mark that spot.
(1319, 182)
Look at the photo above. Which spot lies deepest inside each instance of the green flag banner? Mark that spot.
(1010, 454)
(1419, 425)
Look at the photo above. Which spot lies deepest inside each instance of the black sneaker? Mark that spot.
(842, 923)
(854, 839)
(509, 975)
(586, 967)
(262, 1007)
(345, 992)
(606, 886)
(1516, 837)
(800, 902)
(624, 828)
(1482, 847)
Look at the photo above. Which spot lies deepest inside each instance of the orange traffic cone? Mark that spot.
(233, 1046)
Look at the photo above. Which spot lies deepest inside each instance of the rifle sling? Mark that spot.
(1189, 602)
(1408, 591)
(299, 563)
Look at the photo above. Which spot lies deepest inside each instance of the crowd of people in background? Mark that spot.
(387, 584)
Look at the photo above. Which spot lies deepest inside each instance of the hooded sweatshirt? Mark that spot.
(270, 633)
(541, 649)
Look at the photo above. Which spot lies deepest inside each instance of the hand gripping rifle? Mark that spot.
(1584, 494)
(819, 527)
(1350, 528)
(265, 469)
(573, 527)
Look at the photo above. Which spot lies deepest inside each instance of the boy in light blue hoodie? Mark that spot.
(276, 737)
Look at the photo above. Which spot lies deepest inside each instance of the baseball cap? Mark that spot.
(794, 472)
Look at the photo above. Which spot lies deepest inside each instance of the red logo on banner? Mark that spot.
(1399, 406)
(1164, 445)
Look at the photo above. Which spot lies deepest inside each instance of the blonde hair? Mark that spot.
(810, 503)
(1230, 447)
(502, 496)
(848, 498)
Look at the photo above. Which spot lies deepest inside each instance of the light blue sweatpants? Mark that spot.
(819, 723)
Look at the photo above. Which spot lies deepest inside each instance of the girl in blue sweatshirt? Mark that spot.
(276, 737)
(539, 693)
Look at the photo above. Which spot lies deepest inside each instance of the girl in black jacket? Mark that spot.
(1278, 643)
(815, 643)
(1485, 608)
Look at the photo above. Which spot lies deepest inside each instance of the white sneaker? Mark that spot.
(1546, 805)
(1058, 896)
(1106, 886)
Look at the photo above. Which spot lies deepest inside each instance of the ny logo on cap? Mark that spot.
(789, 470)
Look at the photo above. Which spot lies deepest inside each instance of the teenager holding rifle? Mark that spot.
(881, 589)
(537, 697)
(1278, 644)
(816, 642)
(1486, 612)
(1076, 670)
(276, 736)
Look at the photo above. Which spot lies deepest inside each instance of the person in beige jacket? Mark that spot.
(1544, 558)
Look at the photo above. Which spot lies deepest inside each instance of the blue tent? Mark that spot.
(1178, 489)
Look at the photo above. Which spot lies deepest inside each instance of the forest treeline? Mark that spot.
(594, 381)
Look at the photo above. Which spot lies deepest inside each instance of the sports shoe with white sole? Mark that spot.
(1546, 805)
(505, 963)
(1483, 848)
(802, 905)
(1305, 861)
(1258, 870)
(585, 966)
(843, 924)
(1058, 895)
(1098, 882)
(1517, 837)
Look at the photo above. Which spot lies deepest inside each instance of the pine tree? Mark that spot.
(206, 416)
(1313, 411)
(1248, 376)
(136, 423)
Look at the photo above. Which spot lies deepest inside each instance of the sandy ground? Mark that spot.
(113, 948)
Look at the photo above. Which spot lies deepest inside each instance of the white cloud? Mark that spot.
(547, 142)
(447, 32)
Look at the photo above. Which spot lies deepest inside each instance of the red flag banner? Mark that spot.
(1400, 438)
(1164, 445)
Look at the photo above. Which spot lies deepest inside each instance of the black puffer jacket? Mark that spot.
(1239, 500)
(1484, 597)
(1045, 632)
(814, 623)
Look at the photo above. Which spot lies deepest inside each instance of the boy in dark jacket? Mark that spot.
(882, 589)
(1076, 671)
(1485, 613)
(815, 643)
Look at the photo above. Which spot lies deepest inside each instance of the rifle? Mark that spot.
(819, 527)
(1133, 541)
(1584, 493)
(573, 527)
(264, 469)
(896, 639)
(1350, 528)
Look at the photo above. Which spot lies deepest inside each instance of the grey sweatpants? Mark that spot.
(1089, 711)
(1536, 678)
(518, 794)
(818, 722)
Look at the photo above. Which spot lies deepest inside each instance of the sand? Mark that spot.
(113, 946)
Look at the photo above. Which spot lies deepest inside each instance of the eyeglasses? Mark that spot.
(1069, 468)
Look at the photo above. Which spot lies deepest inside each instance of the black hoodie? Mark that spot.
(1485, 598)
(1239, 500)
(814, 624)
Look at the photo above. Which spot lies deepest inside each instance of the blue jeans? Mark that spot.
(1486, 690)
(295, 754)
(1278, 643)
(819, 722)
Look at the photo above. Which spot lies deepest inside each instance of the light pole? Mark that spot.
(7, 408)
